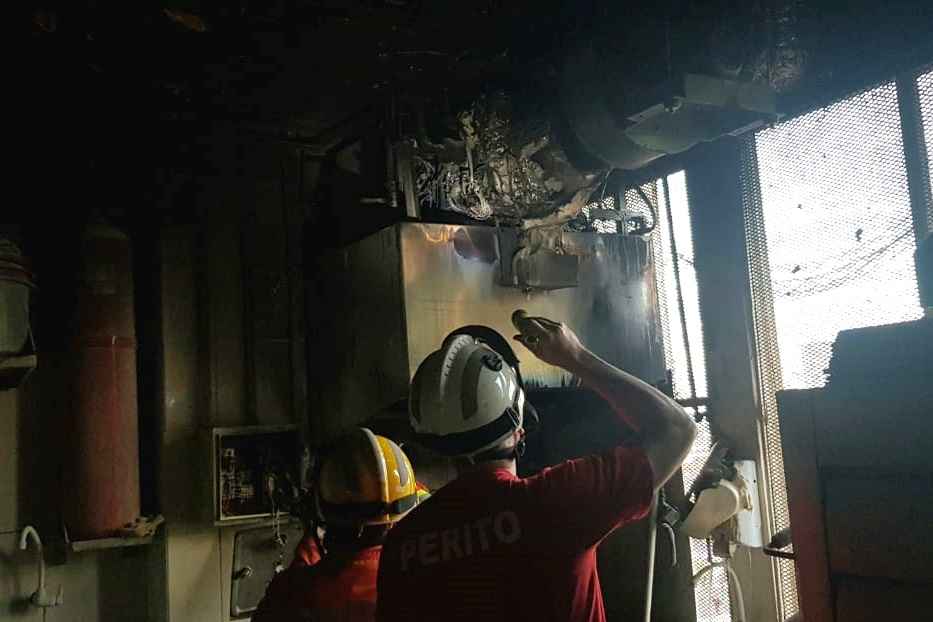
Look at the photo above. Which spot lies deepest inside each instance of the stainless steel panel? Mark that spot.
(378, 307)
(450, 279)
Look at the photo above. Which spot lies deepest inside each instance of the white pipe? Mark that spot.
(737, 586)
(740, 599)
(652, 546)
(30, 531)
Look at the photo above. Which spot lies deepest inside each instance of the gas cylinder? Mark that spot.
(101, 470)
(15, 283)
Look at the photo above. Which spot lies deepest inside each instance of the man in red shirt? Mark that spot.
(491, 546)
(365, 486)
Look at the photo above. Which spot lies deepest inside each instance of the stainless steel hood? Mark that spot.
(380, 306)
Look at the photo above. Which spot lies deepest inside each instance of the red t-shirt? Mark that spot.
(337, 589)
(306, 553)
(492, 547)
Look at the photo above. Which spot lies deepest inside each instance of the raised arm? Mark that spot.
(666, 431)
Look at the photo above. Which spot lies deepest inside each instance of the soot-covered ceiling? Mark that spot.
(116, 94)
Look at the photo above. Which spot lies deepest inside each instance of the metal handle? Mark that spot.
(772, 552)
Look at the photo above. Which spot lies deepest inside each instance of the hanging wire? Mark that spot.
(602, 191)
(651, 208)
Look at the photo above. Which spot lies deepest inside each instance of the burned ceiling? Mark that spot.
(106, 79)
(310, 61)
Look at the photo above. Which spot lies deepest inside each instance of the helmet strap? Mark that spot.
(500, 452)
(520, 448)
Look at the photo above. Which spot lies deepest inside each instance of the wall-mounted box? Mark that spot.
(249, 463)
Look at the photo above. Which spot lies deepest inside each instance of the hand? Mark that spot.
(552, 342)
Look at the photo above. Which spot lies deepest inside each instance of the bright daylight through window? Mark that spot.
(830, 245)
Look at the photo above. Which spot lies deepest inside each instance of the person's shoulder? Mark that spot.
(418, 514)
(423, 516)
(404, 526)
(634, 454)
(603, 468)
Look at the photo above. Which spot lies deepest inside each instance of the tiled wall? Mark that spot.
(109, 585)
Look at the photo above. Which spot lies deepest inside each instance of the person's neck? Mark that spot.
(488, 466)
(351, 548)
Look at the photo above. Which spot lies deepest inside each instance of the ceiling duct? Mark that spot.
(537, 152)
(543, 167)
(618, 126)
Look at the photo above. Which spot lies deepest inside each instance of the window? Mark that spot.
(830, 244)
(682, 333)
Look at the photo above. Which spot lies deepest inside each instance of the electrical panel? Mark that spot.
(257, 472)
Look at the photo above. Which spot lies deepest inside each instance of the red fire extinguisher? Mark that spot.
(101, 466)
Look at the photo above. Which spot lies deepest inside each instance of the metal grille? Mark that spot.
(769, 362)
(830, 244)
(626, 214)
(641, 216)
(602, 216)
(925, 92)
(712, 593)
(660, 250)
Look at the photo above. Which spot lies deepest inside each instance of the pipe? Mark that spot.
(30, 531)
(736, 585)
(652, 548)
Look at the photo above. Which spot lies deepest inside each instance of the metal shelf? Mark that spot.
(107, 543)
(15, 369)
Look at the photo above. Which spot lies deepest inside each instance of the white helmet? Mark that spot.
(466, 398)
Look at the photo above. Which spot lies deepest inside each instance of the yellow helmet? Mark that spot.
(423, 493)
(366, 480)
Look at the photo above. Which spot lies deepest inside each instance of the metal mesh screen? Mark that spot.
(770, 375)
(626, 214)
(925, 92)
(712, 593)
(602, 216)
(830, 244)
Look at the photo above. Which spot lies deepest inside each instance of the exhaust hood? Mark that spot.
(384, 303)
